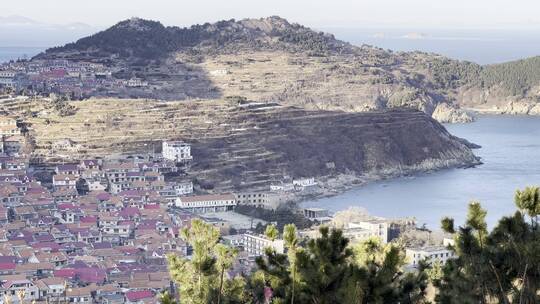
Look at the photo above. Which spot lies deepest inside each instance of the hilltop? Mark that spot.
(271, 59)
(150, 40)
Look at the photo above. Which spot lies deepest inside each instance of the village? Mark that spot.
(63, 77)
(100, 230)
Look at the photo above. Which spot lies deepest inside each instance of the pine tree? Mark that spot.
(499, 266)
(202, 279)
(291, 243)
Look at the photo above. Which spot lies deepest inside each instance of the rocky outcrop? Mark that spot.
(446, 113)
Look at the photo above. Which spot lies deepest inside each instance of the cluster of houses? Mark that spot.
(12, 139)
(63, 77)
(99, 231)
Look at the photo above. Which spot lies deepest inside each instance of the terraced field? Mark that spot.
(246, 146)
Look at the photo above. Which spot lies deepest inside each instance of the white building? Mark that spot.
(317, 214)
(377, 228)
(11, 288)
(430, 254)
(65, 181)
(7, 74)
(177, 151)
(207, 203)
(183, 188)
(304, 183)
(236, 240)
(264, 200)
(257, 244)
(284, 187)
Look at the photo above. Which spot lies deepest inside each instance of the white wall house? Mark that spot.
(304, 182)
(377, 228)
(285, 187)
(207, 203)
(430, 254)
(64, 181)
(183, 188)
(256, 244)
(177, 151)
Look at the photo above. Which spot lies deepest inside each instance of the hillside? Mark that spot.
(246, 146)
(270, 59)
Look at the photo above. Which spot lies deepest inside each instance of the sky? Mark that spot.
(314, 13)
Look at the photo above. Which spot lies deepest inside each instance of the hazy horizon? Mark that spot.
(481, 31)
(340, 13)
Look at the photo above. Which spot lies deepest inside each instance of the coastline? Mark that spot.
(331, 186)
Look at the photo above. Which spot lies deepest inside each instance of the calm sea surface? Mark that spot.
(14, 53)
(511, 155)
(480, 46)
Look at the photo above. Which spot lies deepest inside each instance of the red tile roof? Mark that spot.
(139, 295)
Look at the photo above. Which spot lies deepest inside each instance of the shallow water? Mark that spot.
(511, 155)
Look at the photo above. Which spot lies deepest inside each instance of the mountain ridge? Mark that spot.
(377, 78)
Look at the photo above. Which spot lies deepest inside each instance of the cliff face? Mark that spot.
(316, 143)
(250, 145)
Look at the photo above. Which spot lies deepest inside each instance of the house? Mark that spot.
(67, 169)
(67, 181)
(429, 254)
(183, 188)
(90, 164)
(177, 151)
(235, 240)
(7, 268)
(377, 227)
(8, 126)
(317, 214)
(139, 297)
(51, 289)
(207, 203)
(13, 286)
(12, 145)
(262, 199)
(257, 244)
(96, 185)
(302, 183)
(282, 187)
(81, 295)
(24, 213)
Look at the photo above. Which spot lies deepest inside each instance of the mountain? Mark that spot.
(271, 59)
(145, 39)
(258, 99)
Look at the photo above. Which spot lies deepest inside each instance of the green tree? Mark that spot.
(201, 279)
(498, 266)
(224, 259)
(167, 298)
(291, 243)
(327, 271)
(271, 232)
(528, 200)
(386, 281)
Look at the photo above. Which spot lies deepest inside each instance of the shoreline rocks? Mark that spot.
(445, 113)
